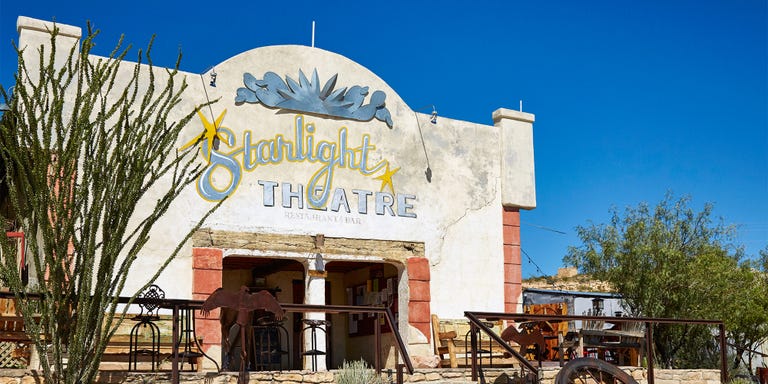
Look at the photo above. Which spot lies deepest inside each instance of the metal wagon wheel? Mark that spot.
(588, 370)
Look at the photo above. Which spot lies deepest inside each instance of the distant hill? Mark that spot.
(568, 279)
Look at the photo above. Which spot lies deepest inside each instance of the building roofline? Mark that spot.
(573, 293)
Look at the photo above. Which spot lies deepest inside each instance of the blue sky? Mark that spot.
(632, 98)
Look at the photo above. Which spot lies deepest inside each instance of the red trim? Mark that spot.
(512, 265)
(419, 308)
(207, 273)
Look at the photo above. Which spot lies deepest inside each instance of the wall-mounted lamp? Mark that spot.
(433, 120)
(213, 78)
(215, 144)
(319, 241)
(319, 263)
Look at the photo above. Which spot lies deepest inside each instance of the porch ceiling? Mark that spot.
(267, 266)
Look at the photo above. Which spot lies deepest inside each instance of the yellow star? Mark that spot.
(386, 178)
(209, 134)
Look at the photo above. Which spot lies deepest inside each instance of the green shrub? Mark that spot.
(357, 372)
(740, 380)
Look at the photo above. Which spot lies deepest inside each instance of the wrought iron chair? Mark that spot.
(482, 350)
(268, 336)
(150, 304)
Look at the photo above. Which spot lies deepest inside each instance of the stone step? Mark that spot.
(450, 382)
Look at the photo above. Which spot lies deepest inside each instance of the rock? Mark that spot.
(425, 361)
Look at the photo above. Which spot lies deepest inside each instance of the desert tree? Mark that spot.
(85, 142)
(673, 261)
(746, 307)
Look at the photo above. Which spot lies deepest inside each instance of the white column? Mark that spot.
(518, 181)
(35, 34)
(315, 294)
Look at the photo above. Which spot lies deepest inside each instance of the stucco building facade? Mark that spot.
(338, 192)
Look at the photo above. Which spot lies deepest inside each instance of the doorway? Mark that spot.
(274, 275)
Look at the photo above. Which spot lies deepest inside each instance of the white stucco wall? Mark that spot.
(475, 168)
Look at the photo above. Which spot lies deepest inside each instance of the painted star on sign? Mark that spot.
(386, 178)
(209, 134)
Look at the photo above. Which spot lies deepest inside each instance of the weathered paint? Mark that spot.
(289, 172)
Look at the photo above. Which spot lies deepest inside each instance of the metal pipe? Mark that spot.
(723, 355)
(492, 316)
(649, 343)
(175, 333)
(473, 318)
(399, 340)
(377, 343)
(649, 321)
(473, 341)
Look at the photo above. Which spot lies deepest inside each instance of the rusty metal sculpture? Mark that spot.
(529, 336)
(244, 303)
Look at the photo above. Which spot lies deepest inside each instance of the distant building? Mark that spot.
(577, 303)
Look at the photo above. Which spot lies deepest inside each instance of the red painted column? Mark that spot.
(419, 299)
(207, 266)
(512, 262)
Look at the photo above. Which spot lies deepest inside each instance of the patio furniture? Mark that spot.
(444, 343)
(267, 338)
(481, 350)
(192, 351)
(314, 325)
(151, 302)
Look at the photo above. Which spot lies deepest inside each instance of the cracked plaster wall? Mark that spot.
(476, 169)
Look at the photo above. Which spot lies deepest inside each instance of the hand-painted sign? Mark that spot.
(303, 147)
